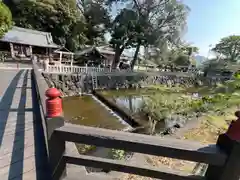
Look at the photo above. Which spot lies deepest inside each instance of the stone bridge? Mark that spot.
(34, 147)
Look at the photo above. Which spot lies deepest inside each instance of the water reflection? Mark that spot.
(84, 110)
(132, 103)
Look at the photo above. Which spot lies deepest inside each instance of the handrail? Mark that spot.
(120, 166)
(221, 165)
(167, 147)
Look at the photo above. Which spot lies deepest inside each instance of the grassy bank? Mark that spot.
(210, 103)
(217, 106)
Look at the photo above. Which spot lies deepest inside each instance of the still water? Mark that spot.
(130, 101)
(85, 110)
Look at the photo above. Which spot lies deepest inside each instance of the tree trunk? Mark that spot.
(118, 53)
(116, 59)
(152, 125)
(135, 56)
(130, 103)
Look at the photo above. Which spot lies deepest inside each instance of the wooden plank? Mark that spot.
(9, 159)
(18, 168)
(167, 147)
(120, 166)
(17, 131)
(231, 168)
(32, 175)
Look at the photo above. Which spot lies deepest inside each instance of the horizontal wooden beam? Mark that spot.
(154, 145)
(120, 166)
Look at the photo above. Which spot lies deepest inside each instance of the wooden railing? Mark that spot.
(223, 159)
(222, 165)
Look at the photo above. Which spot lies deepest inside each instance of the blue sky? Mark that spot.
(210, 20)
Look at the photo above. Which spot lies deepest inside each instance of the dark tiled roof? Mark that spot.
(84, 51)
(102, 50)
(29, 37)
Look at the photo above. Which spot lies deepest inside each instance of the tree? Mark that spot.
(72, 22)
(125, 29)
(5, 19)
(156, 20)
(166, 20)
(229, 48)
(97, 20)
(182, 60)
(61, 18)
(181, 56)
(188, 49)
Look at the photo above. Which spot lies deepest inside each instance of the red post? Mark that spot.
(233, 131)
(53, 103)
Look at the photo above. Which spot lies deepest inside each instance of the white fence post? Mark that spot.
(74, 69)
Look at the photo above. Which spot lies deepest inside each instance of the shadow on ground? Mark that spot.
(22, 160)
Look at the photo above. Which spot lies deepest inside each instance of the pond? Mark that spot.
(86, 110)
(131, 101)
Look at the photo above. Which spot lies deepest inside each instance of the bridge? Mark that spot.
(36, 147)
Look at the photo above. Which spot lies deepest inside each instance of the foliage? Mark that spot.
(160, 106)
(237, 75)
(177, 56)
(181, 56)
(147, 23)
(182, 60)
(98, 21)
(72, 23)
(229, 48)
(61, 18)
(213, 64)
(125, 29)
(85, 149)
(216, 65)
(232, 85)
(118, 154)
(5, 19)
(188, 49)
(69, 25)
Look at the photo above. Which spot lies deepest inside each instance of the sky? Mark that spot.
(210, 20)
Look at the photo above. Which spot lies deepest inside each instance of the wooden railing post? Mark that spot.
(56, 146)
(56, 149)
(228, 142)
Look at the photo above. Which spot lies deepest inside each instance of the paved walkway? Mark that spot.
(22, 150)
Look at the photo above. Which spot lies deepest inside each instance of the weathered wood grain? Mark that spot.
(167, 147)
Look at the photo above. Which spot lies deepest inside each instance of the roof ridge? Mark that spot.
(29, 37)
(30, 30)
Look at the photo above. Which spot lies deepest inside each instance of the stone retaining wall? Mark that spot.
(77, 84)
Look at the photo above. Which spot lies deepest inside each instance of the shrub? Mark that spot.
(5, 19)
(118, 154)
